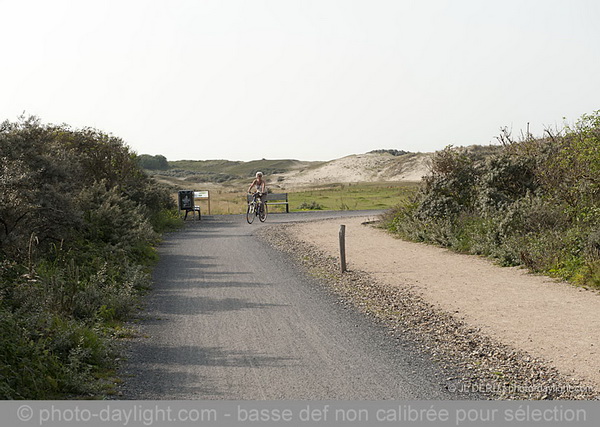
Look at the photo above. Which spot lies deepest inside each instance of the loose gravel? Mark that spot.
(473, 362)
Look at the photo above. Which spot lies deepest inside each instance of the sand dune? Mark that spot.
(370, 167)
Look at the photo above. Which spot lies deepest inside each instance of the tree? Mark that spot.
(158, 162)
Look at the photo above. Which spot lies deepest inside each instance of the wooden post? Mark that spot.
(343, 247)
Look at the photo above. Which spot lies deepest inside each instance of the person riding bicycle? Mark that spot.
(261, 188)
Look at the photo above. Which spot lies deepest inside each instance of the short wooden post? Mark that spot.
(343, 247)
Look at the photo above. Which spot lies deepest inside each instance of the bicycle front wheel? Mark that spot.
(262, 215)
(250, 213)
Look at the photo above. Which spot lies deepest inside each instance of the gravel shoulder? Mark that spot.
(516, 335)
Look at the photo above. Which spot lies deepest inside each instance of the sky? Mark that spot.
(301, 79)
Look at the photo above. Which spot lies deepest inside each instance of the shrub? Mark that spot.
(157, 162)
(114, 222)
(26, 369)
(534, 203)
(393, 152)
(310, 206)
(78, 223)
(35, 188)
(450, 186)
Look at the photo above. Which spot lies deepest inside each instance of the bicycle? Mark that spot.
(256, 208)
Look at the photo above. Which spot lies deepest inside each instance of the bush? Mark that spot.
(157, 162)
(450, 187)
(534, 203)
(310, 206)
(78, 223)
(115, 222)
(393, 152)
(27, 371)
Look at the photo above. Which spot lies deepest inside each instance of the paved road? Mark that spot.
(231, 318)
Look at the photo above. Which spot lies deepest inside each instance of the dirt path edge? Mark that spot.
(486, 366)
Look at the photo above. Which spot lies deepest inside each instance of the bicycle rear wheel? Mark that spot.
(262, 215)
(250, 213)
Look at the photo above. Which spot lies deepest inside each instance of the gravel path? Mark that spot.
(229, 317)
(513, 335)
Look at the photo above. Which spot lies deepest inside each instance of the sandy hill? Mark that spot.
(288, 174)
(370, 167)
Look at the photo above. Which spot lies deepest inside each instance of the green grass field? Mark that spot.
(381, 195)
(353, 196)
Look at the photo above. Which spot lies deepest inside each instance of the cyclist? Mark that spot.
(261, 188)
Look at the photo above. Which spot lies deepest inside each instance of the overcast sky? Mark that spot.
(310, 80)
